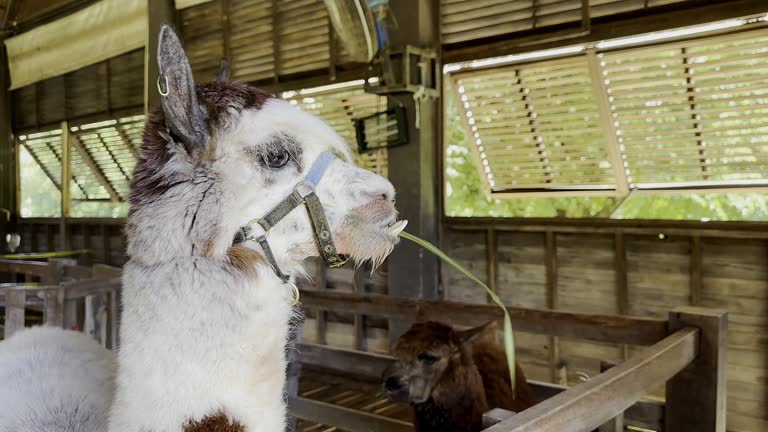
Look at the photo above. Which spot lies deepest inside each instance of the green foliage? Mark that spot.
(41, 198)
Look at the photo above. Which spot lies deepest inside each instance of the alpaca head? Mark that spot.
(219, 155)
(429, 354)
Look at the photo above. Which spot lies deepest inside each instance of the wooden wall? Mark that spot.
(104, 237)
(643, 272)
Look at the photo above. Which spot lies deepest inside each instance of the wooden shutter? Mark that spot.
(113, 146)
(251, 39)
(465, 20)
(260, 38)
(692, 114)
(203, 35)
(536, 127)
(303, 36)
(338, 108)
(104, 155)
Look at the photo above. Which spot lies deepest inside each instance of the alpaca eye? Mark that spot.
(277, 159)
(428, 359)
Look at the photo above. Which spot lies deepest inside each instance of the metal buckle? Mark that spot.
(308, 187)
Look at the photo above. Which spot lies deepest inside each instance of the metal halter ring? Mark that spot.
(295, 291)
(159, 87)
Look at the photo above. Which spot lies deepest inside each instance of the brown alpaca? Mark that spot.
(452, 377)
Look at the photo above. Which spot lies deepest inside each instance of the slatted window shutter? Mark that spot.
(102, 152)
(251, 40)
(688, 115)
(535, 127)
(338, 108)
(303, 33)
(465, 20)
(692, 114)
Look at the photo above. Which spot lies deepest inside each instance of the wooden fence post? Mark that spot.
(615, 424)
(15, 300)
(294, 369)
(54, 307)
(696, 396)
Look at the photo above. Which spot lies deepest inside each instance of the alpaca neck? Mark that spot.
(201, 339)
(191, 222)
(457, 403)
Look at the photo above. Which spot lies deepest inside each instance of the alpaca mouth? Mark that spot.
(395, 228)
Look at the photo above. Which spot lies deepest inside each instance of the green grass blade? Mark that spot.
(509, 339)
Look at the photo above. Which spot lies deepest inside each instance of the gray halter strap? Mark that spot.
(303, 194)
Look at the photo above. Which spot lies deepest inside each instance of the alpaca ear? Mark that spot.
(470, 336)
(223, 75)
(183, 114)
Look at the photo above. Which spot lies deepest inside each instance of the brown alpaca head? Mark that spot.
(432, 358)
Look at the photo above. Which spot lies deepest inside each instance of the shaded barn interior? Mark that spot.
(85, 125)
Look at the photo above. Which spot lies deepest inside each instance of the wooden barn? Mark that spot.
(601, 165)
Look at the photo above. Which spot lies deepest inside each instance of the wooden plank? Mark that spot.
(586, 406)
(88, 160)
(344, 418)
(696, 397)
(742, 230)
(356, 363)
(615, 424)
(113, 342)
(696, 275)
(293, 372)
(601, 328)
(550, 258)
(104, 235)
(53, 314)
(496, 415)
(66, 190)
(159, 12)
(492, 263)
(10, 183)
(15, 301)
(361, 342)
(622, 283)
(31, 268)
(322, 316)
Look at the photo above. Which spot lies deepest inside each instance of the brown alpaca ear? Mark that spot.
(183, 114)
(470, 336)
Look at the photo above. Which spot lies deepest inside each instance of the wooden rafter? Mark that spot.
(127, 140)
(607, 125)
(88, 160)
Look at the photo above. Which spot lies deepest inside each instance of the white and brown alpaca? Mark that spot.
(205, 321)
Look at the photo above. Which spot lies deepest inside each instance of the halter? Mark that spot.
(303, 194)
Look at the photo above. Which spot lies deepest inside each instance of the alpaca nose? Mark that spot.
(392, 384)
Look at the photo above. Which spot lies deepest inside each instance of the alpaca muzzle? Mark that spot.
(303, 194)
